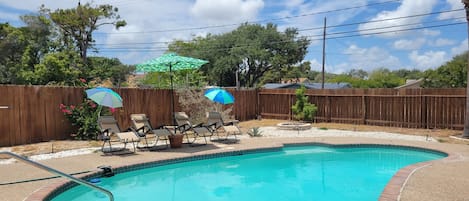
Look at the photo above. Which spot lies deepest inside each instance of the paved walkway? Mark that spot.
(440, 180)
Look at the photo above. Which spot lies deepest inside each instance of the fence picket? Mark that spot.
(30, 114)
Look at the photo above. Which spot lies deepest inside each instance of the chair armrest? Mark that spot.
(231, 123)
(184, 127)
(144, 130)
(105, 134)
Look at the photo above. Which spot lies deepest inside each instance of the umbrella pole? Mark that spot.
(172, 95)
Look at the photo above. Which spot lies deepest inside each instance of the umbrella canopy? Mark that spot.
(219, 95)
(105, 97)
(170, 62)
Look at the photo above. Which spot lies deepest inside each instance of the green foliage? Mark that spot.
(251, 50)
(384, 78)
(453, 74)
(57, 68)
(378, 78)
(303, 109)
(181, 79)
(255, 132)
(78, 24)
(83, 116)
(102, 68)
(52, 47)
(196, 105)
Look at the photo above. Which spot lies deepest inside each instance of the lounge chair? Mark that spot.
(110, 128)
(186, 128)
(142, 125)
(215, 120)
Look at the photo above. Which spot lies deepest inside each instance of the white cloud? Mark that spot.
(462, 47)
(336, 69)
(429, 32)
(306, 8)
(404, 44)
(407, 8)
(453, 4)
(370, 58)
(315, 64)
(218, 11)
(441, 42)
(430, 59)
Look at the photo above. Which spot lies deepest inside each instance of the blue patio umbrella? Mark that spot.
(219, 95)
(104, 97)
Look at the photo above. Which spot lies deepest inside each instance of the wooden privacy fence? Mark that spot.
(411, 108)
(30, 114)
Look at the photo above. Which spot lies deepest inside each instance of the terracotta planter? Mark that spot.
(176, 140)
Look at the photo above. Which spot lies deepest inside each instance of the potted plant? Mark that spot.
(175, 140)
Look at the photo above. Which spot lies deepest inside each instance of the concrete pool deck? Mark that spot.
(445, 179)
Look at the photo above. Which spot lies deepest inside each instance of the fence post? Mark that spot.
(289, 107)
(363, 109)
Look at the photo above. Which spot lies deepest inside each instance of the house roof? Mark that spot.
(307, 85)
(411, 84)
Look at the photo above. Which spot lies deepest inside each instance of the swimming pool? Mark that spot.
(293, 173)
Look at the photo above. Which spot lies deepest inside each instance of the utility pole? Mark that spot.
(324, 53)
(465, 133)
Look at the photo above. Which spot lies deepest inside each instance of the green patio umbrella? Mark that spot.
(170, 62)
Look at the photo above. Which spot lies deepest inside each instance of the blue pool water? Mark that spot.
(295, 173)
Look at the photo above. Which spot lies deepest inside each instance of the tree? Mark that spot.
(12, 46)
(250, 51)
(453, 74)
(358, 73)
(56, 68)
(78, 24)
(103, 68)
(384, 78)
(303, 109)
(181, 79)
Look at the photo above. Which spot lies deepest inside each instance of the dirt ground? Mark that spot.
(56, 146)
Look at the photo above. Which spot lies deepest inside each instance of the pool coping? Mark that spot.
(392, 190)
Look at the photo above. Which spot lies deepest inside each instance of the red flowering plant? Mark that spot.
(83, 116)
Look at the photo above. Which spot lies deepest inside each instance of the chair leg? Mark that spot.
(110, 146)
(102, 147)
(187, 138)
(133, 143)
(157, 139)
(146, 141)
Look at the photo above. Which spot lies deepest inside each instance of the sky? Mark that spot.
(361, 34)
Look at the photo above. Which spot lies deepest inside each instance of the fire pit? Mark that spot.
(294, 126)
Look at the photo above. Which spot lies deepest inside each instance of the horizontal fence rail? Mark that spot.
(31, 114)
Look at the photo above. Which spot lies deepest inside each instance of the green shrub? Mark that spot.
(303, 109)
(255, 132)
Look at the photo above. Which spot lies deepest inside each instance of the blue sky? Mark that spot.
(363, 34)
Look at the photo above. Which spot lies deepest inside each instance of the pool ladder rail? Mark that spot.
(59, 173)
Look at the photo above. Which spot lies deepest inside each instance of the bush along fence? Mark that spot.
(31, 114)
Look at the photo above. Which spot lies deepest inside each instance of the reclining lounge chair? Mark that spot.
(110, 128)
(186, 128)
(215, 120)
(142, 125)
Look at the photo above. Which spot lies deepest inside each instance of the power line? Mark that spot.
(255, 21)
(308, 36)
(315, 28)
(314, 39)
(383, 20)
